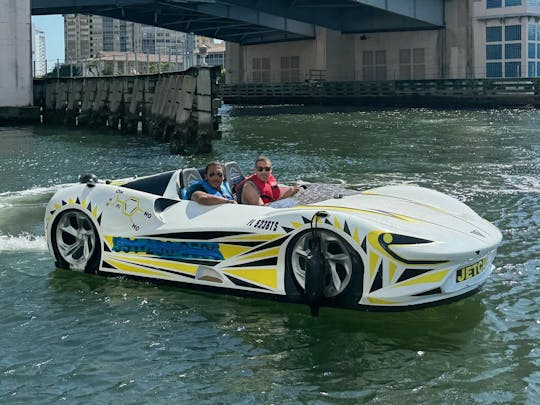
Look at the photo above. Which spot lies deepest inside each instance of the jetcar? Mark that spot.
(396, 247)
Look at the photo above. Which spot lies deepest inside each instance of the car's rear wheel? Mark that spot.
(339, 261)
(76, 242)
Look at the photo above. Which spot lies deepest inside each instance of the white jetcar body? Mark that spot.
(389, 248)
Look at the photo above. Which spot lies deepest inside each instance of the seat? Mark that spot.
(233, 175)
(188, 176)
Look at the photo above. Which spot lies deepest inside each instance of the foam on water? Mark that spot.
(22, 242)
(31, 192)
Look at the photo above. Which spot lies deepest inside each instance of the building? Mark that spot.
(480, 38)
(89, 36)
(39, 58)
(507, 38)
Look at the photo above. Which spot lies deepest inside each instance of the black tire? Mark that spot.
(76, 242)
(344, 272)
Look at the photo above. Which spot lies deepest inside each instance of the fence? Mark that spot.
(519, 91)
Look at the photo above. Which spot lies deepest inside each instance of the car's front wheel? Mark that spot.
(339, 259)
(76, 242)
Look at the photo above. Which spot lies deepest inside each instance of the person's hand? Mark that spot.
(294, 190)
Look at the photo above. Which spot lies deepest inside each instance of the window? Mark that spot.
(493, 52)
(290, 68)
(510, 3)
(531, 52)
(412, 64)
(512, 51)
(512, 33)
(374, 65)
(493, 69)
(419, 63)
(493, 34)
(531, 67)
(261, 70)
(531, 32)
(493, 3)
(405, 64)
(512, 69)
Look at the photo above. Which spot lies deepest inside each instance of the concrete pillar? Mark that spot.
(16, 51)
(234, 63)
(339, 55)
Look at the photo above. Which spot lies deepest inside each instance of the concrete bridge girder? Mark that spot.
(253, 21)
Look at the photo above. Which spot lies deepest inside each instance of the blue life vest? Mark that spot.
(222, 192)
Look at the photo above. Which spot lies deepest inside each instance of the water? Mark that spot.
(86, 339)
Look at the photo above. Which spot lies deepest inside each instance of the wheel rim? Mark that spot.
(75, 239)
(338, 261)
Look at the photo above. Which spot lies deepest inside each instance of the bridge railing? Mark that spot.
(515, 90)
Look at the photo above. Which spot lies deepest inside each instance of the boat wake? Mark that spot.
(24, 242)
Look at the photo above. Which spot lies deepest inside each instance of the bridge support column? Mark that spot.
(15, 54)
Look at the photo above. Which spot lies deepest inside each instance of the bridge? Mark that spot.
(240, 22)
(249, 22)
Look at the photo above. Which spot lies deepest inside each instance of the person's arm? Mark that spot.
(288, 191)
(208, 199)
(250, 194)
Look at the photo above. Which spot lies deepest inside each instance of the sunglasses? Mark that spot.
(266, 169)
(219, 174)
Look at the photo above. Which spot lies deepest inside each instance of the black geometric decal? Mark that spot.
(429, 292)
(89, 208)
(271, 261)
(77, 201)
(377, 283)
(244, 283)
(346, 229)
(410, 273)
(306, 221)
(327, 221)
(363, 245)
(288, 230)
(99, 219)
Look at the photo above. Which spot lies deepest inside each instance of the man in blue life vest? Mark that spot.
(261, 187)
(210, 190)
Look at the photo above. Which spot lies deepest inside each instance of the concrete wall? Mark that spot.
(453, 52)
(16, 51)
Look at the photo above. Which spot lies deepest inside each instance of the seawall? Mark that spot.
(179, 108)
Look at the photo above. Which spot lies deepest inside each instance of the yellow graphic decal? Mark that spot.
(266, 277)
(337, 224)
(433, 277)
(355, 236)
(358, 210)
(228, 251)
(373, 262)
(134, 269)
(392, 271)
(263, 254)
(248, 238)
(377, 301)
(296, 225)
(159, 263)
(109, 241)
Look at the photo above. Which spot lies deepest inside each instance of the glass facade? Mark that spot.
(533, 50)
(507, 3)
(504, 52)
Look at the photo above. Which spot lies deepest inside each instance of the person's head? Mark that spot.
(214, 174)
(263, 168)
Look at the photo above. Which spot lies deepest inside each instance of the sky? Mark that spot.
(53, 26)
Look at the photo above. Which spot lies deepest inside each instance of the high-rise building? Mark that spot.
(39, 62)
(87, 36)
